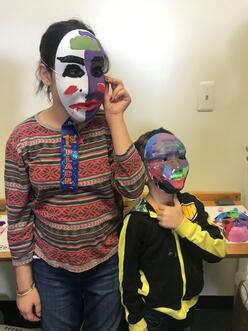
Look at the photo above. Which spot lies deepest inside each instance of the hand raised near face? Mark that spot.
(115, 103)
(170, 217)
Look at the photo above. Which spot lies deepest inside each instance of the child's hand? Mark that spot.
(170, 217)
(30, 306)
(116, 103)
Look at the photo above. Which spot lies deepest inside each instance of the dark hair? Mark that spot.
(141, 142)
(50, 41)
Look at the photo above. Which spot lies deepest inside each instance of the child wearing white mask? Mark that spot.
(66, 170)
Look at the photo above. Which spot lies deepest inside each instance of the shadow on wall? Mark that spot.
(239, 63)
(239, 59)
(11, 82)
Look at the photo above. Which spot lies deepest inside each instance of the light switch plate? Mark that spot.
(206, 96)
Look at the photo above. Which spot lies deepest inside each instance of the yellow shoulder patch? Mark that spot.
(189, 211)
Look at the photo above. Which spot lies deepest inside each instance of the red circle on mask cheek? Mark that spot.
(101, 87)
(70, 90)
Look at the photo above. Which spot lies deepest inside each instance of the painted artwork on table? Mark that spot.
(234, 224)
(4, 247)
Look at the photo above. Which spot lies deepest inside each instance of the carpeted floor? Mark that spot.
(214, 320)
(15, 328)
(205, 319)
(208, 320)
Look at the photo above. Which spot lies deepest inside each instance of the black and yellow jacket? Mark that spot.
(162, 268)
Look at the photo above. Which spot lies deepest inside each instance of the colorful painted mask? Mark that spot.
(165, 160)
(79, 65)
(235, 225)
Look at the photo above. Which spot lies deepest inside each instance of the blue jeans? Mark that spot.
(68, 298)
(157, 321)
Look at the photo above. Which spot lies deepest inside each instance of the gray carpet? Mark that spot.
(15, 328)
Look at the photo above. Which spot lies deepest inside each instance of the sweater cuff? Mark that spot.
(140, 326)
(20, 262)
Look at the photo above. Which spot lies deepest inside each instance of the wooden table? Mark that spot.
(209, 199)
(5, 256)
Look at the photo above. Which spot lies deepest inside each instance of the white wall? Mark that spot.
(161, 50)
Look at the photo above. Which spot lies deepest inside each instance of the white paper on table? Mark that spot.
(4, 246)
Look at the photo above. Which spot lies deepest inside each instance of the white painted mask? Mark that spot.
(79, 65)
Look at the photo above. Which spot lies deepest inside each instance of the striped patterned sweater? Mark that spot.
(75, 230)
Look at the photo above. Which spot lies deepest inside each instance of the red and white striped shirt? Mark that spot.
(73, 229)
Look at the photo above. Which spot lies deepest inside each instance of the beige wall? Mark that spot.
(161, 50)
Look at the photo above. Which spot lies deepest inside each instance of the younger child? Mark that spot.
(164, 241)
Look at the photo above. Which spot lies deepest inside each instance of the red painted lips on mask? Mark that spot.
(87, 105)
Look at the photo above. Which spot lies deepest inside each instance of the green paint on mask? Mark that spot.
(180, 174)
(84, 42)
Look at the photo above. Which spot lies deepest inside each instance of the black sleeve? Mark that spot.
(130, 248)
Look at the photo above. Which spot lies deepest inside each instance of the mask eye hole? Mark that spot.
(97, 71)
(97, 66)
(73, 71)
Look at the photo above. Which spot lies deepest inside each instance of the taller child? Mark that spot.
(66, 169)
